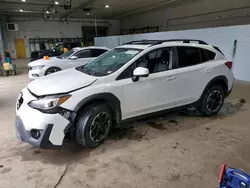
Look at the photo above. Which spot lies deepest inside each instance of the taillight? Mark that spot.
(229, 64)
(222, 171)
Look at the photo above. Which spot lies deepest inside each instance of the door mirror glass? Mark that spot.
(140, 72)
(74, 57)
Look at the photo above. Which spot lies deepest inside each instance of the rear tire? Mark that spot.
(52, 70)
(212, 101)
(93, 125)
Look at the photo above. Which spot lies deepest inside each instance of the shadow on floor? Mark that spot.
(119, 138)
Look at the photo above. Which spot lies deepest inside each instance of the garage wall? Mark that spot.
(198, 14)
(1, 44)
(35, 28)
(223, 37)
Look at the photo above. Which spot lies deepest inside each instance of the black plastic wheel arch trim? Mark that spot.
(112, 100)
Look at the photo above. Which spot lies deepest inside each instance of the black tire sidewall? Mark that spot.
(84, 121)
(203, 106)
(47, 71)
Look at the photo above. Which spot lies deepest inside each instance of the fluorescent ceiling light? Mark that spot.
(106, 6)
(21, 10)
(56, 2)
(23, 0)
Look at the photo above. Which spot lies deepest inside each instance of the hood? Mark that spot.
(60, 82)
(44, 62)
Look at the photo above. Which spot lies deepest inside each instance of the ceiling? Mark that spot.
(81, 8)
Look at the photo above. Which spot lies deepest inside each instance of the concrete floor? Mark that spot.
(174, 150)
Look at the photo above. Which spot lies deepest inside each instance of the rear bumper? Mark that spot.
(229, 92)
(25, 135)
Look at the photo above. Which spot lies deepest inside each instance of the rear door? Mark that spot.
(241, 60)
(192, 73)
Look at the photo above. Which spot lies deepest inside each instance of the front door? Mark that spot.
(155, 92)
(20, 48)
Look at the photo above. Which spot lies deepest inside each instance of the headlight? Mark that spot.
(48, 103)
(37, 67)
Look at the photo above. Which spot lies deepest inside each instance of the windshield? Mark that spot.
(109, 62)
(67, 54)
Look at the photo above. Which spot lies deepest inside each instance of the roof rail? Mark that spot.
(142, 42)
(155, 42)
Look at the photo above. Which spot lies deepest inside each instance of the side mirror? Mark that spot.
(140, 72)
(74, 57)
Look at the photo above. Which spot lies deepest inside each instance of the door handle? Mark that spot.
(207, 71)
(170, 78)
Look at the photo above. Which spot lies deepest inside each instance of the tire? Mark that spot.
(88, 127)
(212, 101)
(52, 70)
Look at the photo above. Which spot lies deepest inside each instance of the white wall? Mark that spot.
(198, 14)
(46, 29)
(223, 37)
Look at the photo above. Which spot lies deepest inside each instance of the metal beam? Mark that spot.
(82, 5)
(145, 8)
(29, 3)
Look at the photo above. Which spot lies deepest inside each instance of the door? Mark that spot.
(241, 61)
(83, 57)
(20, 48)
(155, 92)
(193, 73)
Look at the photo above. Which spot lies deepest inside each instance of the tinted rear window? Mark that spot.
(211, 55)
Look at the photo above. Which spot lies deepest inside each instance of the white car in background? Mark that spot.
(72, 58)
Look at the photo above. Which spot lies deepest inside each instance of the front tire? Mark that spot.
(93, 125)
(212, 101)
(52, 70)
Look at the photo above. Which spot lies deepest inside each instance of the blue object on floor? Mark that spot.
(233, 178)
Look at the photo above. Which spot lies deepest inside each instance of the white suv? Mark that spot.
(133, 80)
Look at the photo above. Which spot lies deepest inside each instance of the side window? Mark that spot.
(207, 55)
(211, 55)
(84, 54)
(97, 52)
(189, 56)
(156, 61)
